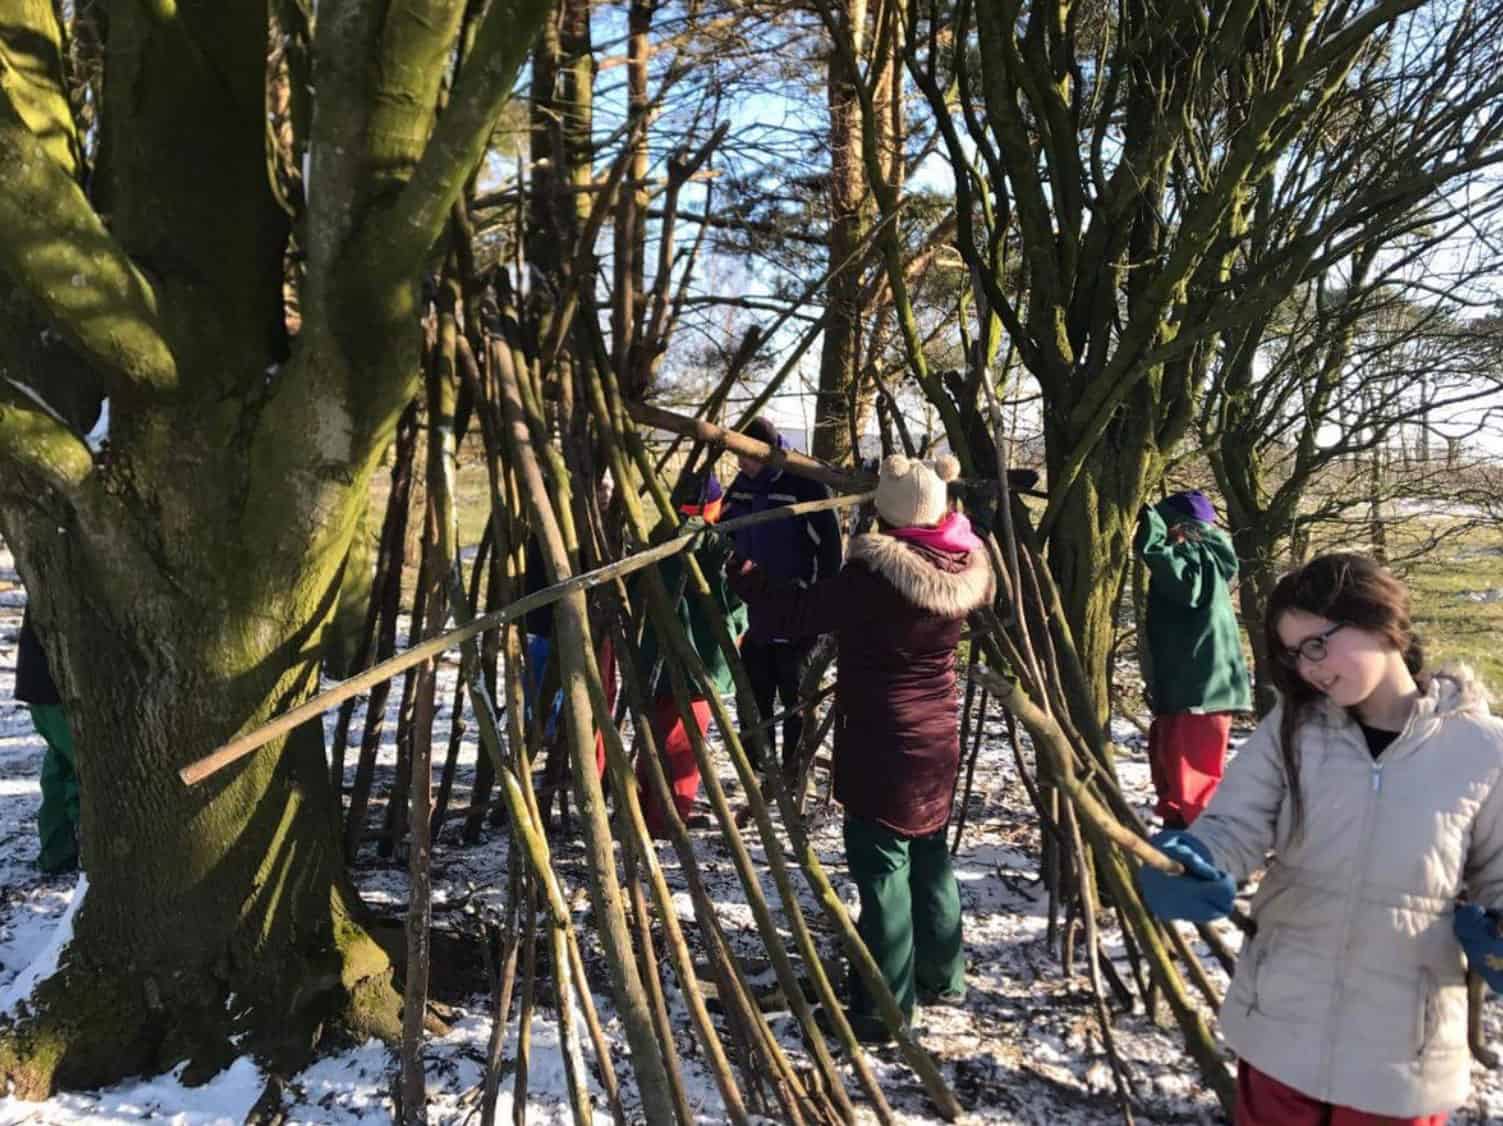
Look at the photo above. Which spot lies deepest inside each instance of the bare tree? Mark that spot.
(1388, 214)
(1116, 158)
(1301, 432)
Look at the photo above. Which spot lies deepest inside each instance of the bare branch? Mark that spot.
(38, 445)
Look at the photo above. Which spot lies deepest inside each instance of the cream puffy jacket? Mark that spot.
(1353, 991)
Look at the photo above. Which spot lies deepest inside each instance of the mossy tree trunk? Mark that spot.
(342, 635)
(1092, 543)
(182, 581)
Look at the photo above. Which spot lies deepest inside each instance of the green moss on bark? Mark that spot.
(93, 1022)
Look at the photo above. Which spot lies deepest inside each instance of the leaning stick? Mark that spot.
(1044, 730)
(691, 665)
(237, 749)
(1476, 1038)
(1018, 480)
(689, 669)
(1090, 903)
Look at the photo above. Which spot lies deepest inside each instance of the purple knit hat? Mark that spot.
(1192, 503)
(696, 489)
(762, 429)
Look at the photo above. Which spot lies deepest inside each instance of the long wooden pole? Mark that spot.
(1018, 480)
(238, 748)
(739, 443)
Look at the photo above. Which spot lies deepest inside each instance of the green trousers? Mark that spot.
(57, 820)
(910, 914)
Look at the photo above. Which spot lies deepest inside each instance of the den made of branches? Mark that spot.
(1015, 664)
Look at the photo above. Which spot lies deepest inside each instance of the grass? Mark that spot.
(1450, 587)
(1450, 612)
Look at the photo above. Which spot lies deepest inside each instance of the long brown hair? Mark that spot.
(1341, 587)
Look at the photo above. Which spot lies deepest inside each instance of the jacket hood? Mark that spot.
(951, 584)
(1219, 546)
(1455, 689)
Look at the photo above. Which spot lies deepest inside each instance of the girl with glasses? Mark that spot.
(1374, 796)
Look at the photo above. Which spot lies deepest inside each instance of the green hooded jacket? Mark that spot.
(701, 632)
(1194, 642)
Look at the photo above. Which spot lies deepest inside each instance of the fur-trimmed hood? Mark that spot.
(918, 575)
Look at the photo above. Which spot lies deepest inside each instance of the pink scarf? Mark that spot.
(953, 533)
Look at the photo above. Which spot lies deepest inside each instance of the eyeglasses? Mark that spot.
(1312, 648)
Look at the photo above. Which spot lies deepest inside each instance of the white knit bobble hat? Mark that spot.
(912, 492)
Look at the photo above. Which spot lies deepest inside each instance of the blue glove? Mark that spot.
(1203, 893)
(1477, 931)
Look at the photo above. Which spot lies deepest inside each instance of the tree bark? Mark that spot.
(840, 350)
(1091, 545)
(1255, 581)
(211, 913)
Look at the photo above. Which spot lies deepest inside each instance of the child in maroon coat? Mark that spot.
(897, 610)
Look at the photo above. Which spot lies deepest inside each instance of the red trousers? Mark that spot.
(1263, 1101)
(1186, 754)
(679, 763)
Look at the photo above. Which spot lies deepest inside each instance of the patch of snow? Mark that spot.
(44, 965)
(1438, 507)
(224, 1100)
(27, 926)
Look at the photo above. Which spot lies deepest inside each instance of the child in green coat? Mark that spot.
(57, 820)
(1197, 676)
(698, 500)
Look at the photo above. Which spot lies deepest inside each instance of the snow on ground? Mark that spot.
(1024, 1049)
